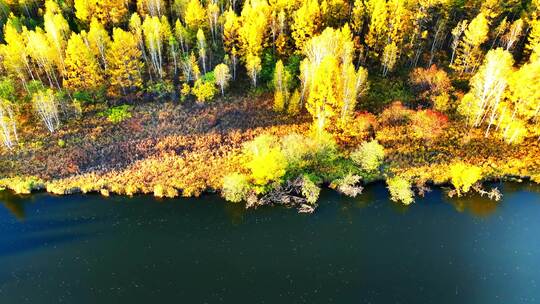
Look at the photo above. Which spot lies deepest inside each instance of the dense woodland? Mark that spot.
(331, 92)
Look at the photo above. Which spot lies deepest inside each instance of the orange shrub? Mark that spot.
(428, 124)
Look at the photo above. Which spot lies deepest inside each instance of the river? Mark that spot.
(91, 249)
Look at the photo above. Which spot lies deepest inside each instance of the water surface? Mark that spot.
(90, 249)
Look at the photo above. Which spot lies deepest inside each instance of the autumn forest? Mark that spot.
(268, 101)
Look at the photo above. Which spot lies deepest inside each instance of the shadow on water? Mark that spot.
(18, 246)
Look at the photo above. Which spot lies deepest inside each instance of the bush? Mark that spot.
(369, 155)
(117, 114)
(7, 89)
(265, 160)
(348, 185)
(164, 191)
(160, 89)
(295, 104)
(428, 124)
(383, 91)
(400, 190)
(310, 154)
(464, 176)
(310, 190)
(395, 114)
(432, 84)
(204, 90)
(22, 185)
(235, 187)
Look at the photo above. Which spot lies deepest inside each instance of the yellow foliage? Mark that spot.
(463, 176)
(265, 160)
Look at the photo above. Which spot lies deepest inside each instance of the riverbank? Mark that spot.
(172, 149)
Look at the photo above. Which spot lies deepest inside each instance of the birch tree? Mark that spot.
(222, 76)
(46, 107)
(8, 126)
(482, 104)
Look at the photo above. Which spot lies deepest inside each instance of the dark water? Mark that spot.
(89, 249)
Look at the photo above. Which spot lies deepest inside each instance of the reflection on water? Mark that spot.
(472, 203)
(89, 249)
(14, 203)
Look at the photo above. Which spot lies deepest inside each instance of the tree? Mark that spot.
(8, 126)
(44, 55)
(520, 115)
(378, 25)
(155, 31)
(231, 26)
(432, 84)
(222, 75)
(456, 38)
(306, 23)
(330, 82)
(534, 36)
(482, 104)
(253, 67)
(154, 8)
(254, 19)
(82, 69)
(99, 41)
(469, 52)
(281, 87)
(107, 12)
(46, 106)
(201, 45)
(334, 12)
(56, 30)
(212, 10)
(182, 36)
(195, 16)
(389, 58)
(513, 34)
(125, 64)
(15, 58)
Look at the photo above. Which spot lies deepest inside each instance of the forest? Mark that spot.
(268, 101)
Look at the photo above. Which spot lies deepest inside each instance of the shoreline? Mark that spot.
(188, 155)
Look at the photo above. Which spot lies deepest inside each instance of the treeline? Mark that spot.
(315, 55)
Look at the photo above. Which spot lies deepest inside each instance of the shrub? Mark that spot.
(294, 107)
(428, 124)
(400, 190)
(235, 187)
(348, 185)
(204, 90)
(383, 91)
(369, 155)
(22, 185)
(310, 154)
(265, 160)
(432, 84)
(7, 89)
(395, 114)
(310, 190)
(464, 176)
(160, 89)
(117, 114)
(164, 191)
